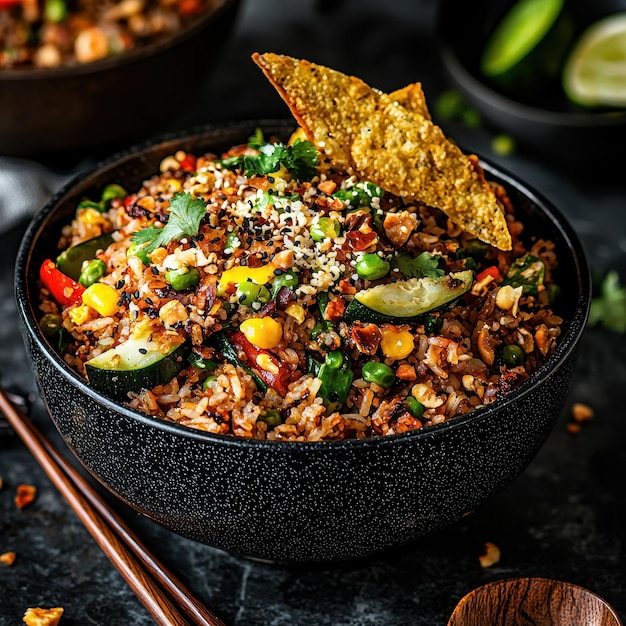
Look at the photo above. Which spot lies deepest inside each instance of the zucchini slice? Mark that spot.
(406, 300)
(136, 364)
(71, 260)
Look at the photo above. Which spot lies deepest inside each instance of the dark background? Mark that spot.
(562, 518)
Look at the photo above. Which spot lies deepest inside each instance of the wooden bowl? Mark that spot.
(539, 601)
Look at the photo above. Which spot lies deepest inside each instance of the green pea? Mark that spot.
(137, 249)
(288, 279)
(55, 11)
(513, 355)
(416, 408)
(271, 418)
(379, 373)
(208, 380)
(112, 191)
(182, 279)
(325, 228)
(91, 272)
(334, 359)
(232, 242)
(249, 292)
(372, 267)
(50, 324)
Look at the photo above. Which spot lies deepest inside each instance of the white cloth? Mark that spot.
(25, 186)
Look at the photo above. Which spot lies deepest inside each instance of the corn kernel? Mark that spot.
(241, 273)
(101, 297)
(262, 332)
(396, 344)
(297, 312)
(80, 314)
(174, 184)
(91, 216)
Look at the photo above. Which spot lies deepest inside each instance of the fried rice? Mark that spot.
(280, 248)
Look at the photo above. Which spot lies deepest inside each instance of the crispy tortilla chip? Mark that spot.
(390, 141)
(412, 98)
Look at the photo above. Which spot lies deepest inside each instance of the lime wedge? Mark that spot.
(519, 32)
(595, 72)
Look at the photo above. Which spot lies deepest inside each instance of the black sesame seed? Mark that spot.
(143, 351)
(120, 283)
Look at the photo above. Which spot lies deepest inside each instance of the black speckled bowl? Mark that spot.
(298, 501)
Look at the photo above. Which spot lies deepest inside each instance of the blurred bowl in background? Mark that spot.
(544, 120)
(118, 100)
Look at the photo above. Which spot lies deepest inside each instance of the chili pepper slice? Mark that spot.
(62, 288)
(277, 381)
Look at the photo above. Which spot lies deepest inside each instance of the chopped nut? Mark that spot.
(426, 396)
(42, 617)
(8, 558)
(581, 412)
(490, 556)
(25, 495)
(573, 428)
(1, 482)
(173, 312)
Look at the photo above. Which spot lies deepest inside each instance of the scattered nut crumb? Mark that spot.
(8, 558)
(490, 556)
(573, 428)
(43, 617)
(581, 412)
(1, 482)
(25, 495)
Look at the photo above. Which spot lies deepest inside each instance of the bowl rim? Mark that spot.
(565, 348)
(480, 90)
(136, 55)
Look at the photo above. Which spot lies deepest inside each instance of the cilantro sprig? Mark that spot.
(300, 159)
(186, 213)
(608, 309)
(423, 265)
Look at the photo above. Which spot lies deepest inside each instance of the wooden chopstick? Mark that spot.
(141, 569)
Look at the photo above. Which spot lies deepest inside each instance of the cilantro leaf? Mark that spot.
(609, 308)
(423, 265)
(300, 159)
(256, 140)
(186, 213)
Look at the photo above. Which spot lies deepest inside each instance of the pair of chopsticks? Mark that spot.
(165, 597)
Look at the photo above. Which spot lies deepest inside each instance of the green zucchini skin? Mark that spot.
(442, 293)
(116, 382)
(70, 261)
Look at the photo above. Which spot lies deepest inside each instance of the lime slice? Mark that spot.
(519, 32)
(595, 72)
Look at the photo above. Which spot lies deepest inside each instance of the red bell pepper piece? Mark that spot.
(189, 163)
(490, 271)
(5, 4)
(279, 381)
(62, 288)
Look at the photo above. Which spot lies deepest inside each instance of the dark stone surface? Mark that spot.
(562, 518)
